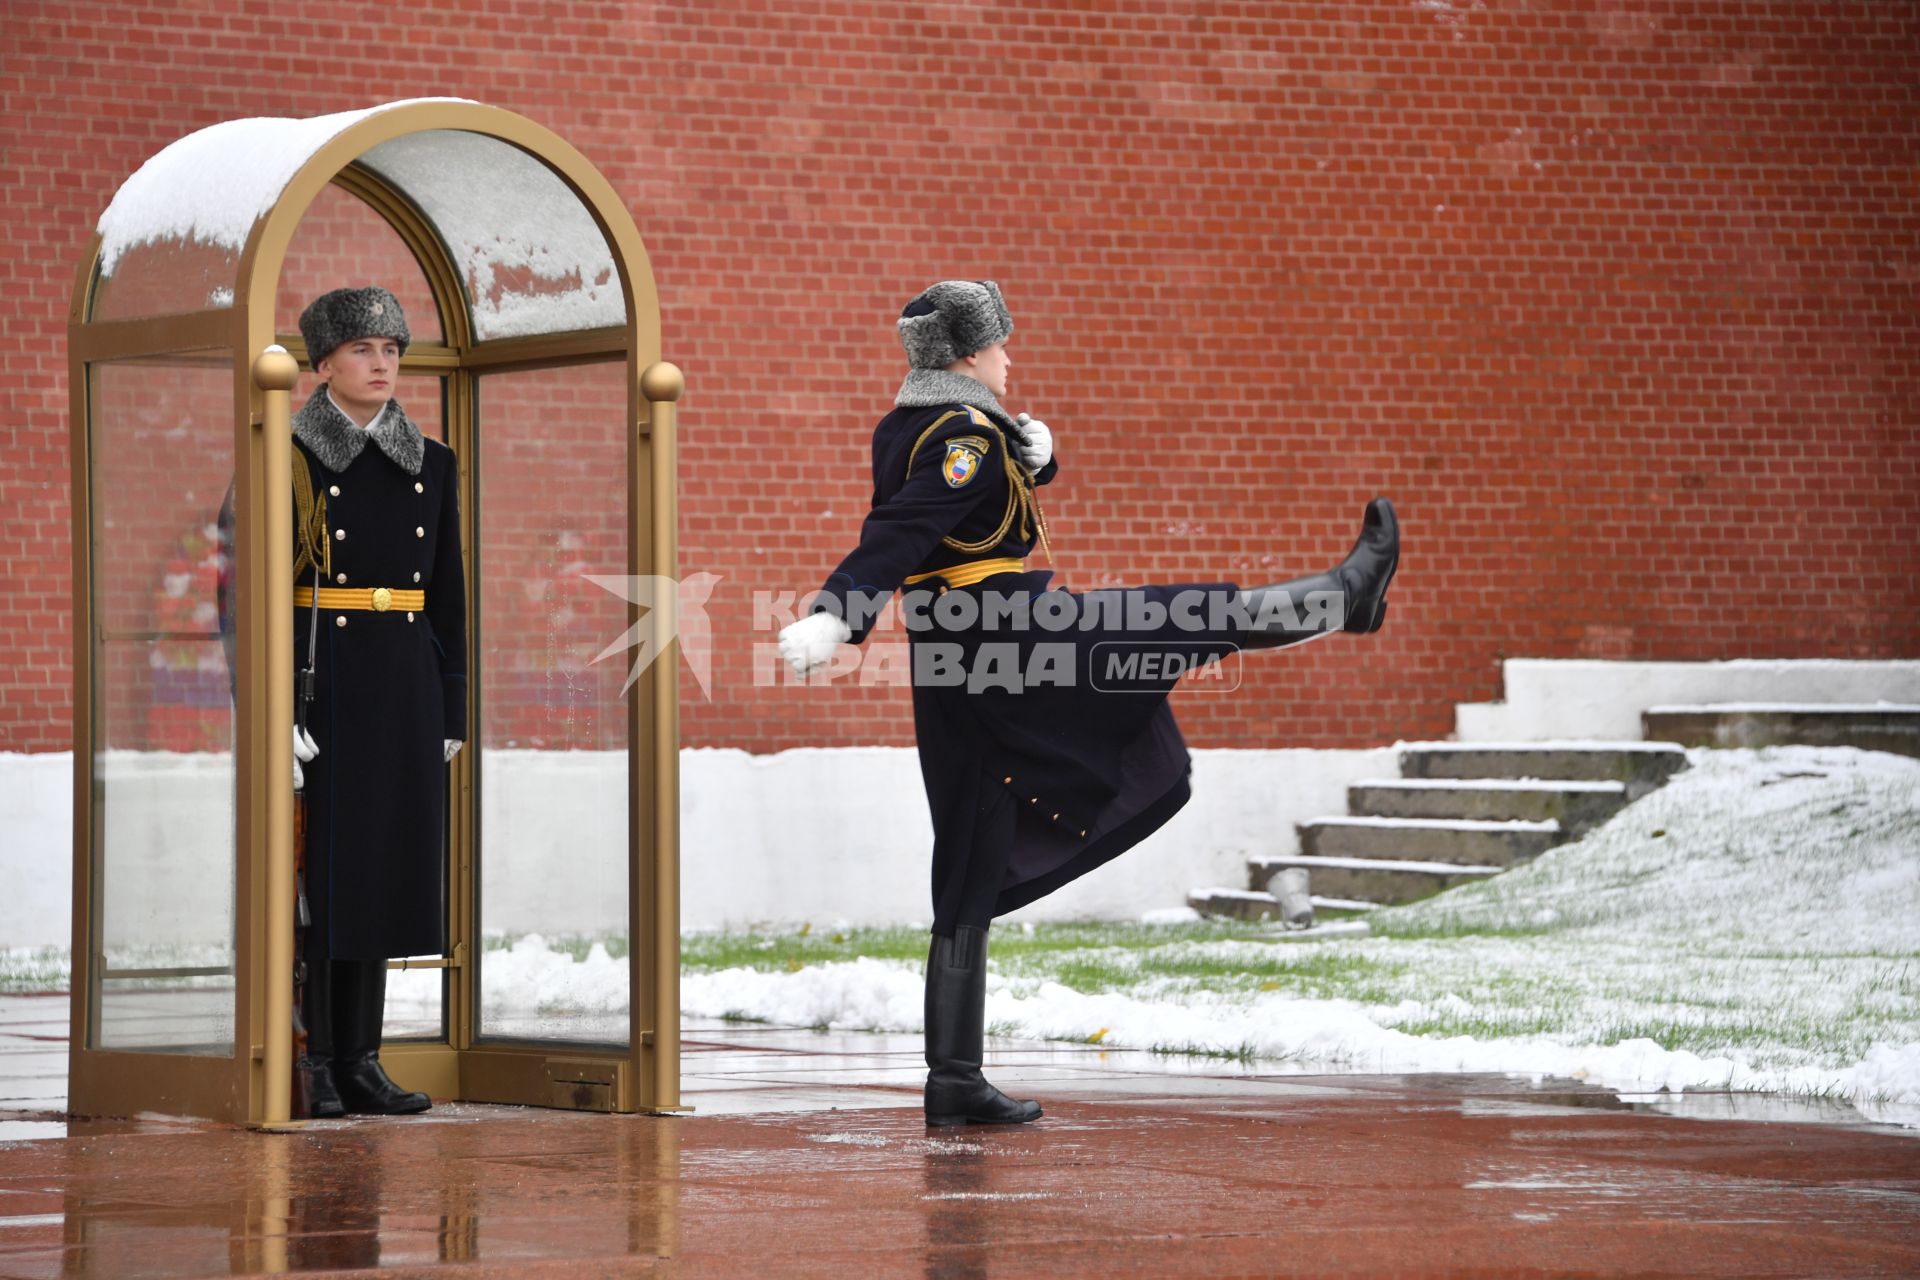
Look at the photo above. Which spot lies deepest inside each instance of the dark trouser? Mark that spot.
(343, 1008)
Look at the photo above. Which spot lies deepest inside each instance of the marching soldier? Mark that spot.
(1047, 748)
(380, 590)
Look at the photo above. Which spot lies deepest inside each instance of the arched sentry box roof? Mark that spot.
(535, 240)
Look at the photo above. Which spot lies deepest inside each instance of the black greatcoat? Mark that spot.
(391, 686)
(1029, 787)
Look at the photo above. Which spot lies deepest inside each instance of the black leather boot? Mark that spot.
(319, 1098)
(360, 1008)
(956, 1036)
(1359, 584)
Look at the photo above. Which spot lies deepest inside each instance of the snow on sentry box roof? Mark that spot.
(213, 185)
(502, 214)
(505, 217)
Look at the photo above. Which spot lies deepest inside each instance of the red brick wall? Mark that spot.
(1617, 298)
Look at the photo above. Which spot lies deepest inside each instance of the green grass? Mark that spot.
(573, 945)
(1438, 981)
(1695, 997)
(775, 950)
(1091, 975)
(772, 950)
(1321, 973)
(1485, 1026)
(1711, 1038)
(1244, 1055)
(35, 969)
(1565, 991)
(1388, 924)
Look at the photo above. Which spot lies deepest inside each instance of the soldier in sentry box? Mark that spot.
(390, 704)
(1046, 743)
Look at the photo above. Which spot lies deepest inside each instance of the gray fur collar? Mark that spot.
(336, 441)
(943, 386)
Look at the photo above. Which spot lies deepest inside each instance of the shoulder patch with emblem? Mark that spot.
(964, 455)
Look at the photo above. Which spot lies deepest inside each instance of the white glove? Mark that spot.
(808, 644)
(1036, 442)
(452, 748)
(304, 748)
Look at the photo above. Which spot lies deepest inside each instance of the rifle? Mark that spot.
(302, 916)
(310, 510)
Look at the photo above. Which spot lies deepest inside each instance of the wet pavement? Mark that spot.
(807, 1156)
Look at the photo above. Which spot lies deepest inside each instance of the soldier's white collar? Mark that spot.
(377, 418)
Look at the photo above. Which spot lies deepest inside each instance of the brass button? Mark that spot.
(1035, 800)
(340, 621)
(1056, 817)
(419, 532)
(340, 578)
(1083, 835)
(339, 535)
(334, 490)
(418, 487)
(1008, 778)
(382, 599)
(416, 575)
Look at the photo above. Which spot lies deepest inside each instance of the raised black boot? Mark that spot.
(956, 1036)
(360, 1009)
(318, 1098)
(1352, 596)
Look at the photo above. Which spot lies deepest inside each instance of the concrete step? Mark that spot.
(1384, 881)
(1341, 904)
(1464, 841)
(1247, 904)
(1877, 726)
(1640, 766)
(1463, 812)
(1238, 904)
(1577, 806)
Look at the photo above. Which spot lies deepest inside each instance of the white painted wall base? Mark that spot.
(817, 835)
(1548, 698)
(827, 836)
(36, 848)
(843, 835)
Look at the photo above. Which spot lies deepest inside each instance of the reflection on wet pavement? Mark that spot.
(807, 1156)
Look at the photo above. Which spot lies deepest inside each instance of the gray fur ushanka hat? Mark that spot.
(346, 314)
(952, 319)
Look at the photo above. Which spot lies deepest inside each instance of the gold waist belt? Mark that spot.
(378, 599)
(965, 575)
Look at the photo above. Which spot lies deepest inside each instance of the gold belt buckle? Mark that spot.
(382, 599)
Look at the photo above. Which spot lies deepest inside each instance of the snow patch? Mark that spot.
(1491, 784)
(530, 256)
(1549, 826)
(1547, 744)
(213, 185)
(1792, 708)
